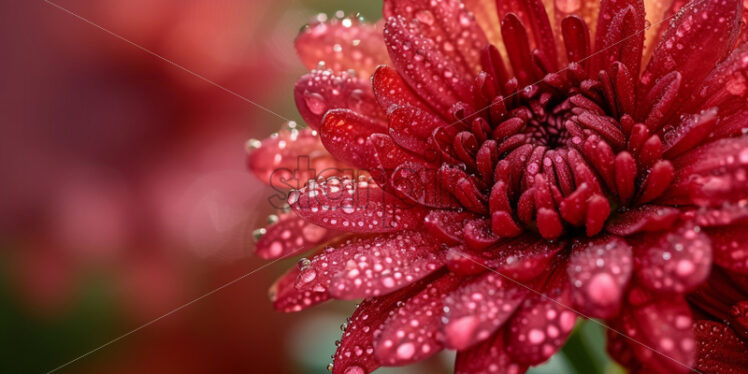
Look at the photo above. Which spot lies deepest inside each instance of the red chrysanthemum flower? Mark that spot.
(519, 173)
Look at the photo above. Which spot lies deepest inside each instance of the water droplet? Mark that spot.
(425, 16)
(315, 103)
(405, 351)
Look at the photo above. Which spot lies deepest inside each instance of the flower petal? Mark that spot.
(438, 79)
(464, 261)
(660, 335)
(354, 206)
(383, 264)
(690, 132)
(477, 234)
(344, 134)
(533, 14)
(322, 90)
(675, 261)
(355, 355)
(450, 24)
(599, 270)
(619, 35)
(342, 45)
(411, 128)
(646, 218)
(726, 87)
(288, 159)
(700, 36)
(316, 275)
(728, 214)
(730, 247)
(710, 175)
(523, 258)
(420, 184)
(411, 333)
(488, 357)
(391, 90)
(719, 349)
(540, 327)
(290, 235)
(478, 308)
(447, 225)
(287, 298)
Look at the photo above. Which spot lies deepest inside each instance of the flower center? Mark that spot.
(554, 157)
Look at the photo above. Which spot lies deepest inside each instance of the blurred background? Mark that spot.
(124, 193)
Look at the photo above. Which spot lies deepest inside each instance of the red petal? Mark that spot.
(598, 210)
(344, 134)
(660, 335)
(316, 275)
(676, 261)
(420, 184)
(576, 37)
(690, 132)
(711, 175)
(625, 175)
(488, 357)
(290, 158)
(731, 125)
(660, 102)
(730, 247)
(504, 225)
(700, 36)
(322, 90)
(422, 65)
(656, 182)
(447, 22)
(533, 14)
(389, 155)
(478, 308)
(343, 45)
(719, 350)
(540, 327)
(350, 206)
(411, 127)
(463, 261)
(355, 355)
(523, 258)
(478, 235)
(725, 87)
(383, 264)
(573, 207)
(446, 225)
(287, 298)
(517, 44)
(599, 271)
(619, 35)
(728, 214)
(411, 333)
(646, 218)
(291, 235)
(390, 90)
